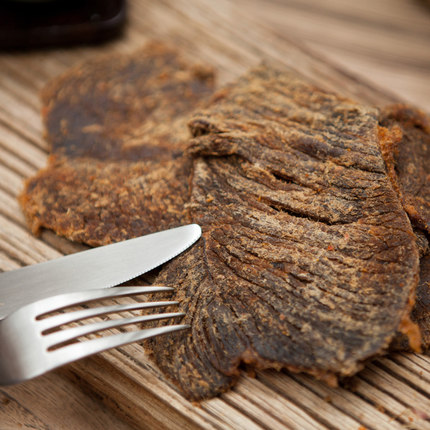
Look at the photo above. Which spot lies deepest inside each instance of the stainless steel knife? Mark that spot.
(101, 267)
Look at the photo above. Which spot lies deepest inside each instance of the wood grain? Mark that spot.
(388, 42)
(55, 401)
(374, 51)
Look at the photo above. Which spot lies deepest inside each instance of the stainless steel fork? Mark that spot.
(32, 342)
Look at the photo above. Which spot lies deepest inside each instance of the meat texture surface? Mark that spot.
(408, 156)
(117, 128)
(308, 259)
(405, 145)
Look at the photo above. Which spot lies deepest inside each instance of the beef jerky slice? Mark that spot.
(307, 261)
(117, 127)
(421, 311)
(406, 148)
(407, 151)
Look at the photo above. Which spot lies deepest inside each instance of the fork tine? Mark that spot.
(84, 349)
(69, 317)
(54, 339)
(55, 303)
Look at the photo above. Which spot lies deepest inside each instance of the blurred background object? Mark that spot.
(26, 24)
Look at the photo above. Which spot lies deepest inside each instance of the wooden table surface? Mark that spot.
(377, 51)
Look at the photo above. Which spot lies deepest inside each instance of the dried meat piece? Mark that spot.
(98, 202)
(117, 128)
(407, 153)
(421, 311)
(405, 142)
(420, 314)
(125, 107)
(308, 261)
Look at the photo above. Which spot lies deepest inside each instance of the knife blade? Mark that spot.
(101, 267)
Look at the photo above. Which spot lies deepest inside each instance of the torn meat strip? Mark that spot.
(117, 127)
(308, 261)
